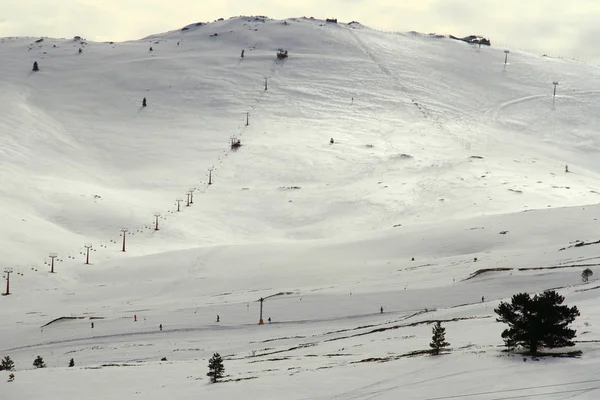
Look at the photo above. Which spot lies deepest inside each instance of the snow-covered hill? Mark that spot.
(442, 154)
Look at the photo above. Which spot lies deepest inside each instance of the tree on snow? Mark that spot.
(71, 363)
(215, 368)
(438, 340)
(35, 66)
(39, 362)
(7, 364)
(585, 275)
(541, 321)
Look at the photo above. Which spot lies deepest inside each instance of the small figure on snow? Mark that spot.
(566, 168)
(80, 50)
(218, 318)
(134, 318)
(482, 299)
(412, 259)
(160, 327)
(35, 66)
(242, 53)
(269, 319)
(474, 259)
(331, 141)
(92, 325)
(381, 310)
(144, 102)
(151, 49)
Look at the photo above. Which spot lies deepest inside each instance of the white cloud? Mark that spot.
(542, 26)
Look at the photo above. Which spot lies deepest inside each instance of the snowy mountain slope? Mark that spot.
(76, 130)
(439, 149)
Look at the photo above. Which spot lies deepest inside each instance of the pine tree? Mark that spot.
(7, 364)
(72, 363)
(215, 368)
(438, 340)
(35, 66)
(39, 362)
(541, 321)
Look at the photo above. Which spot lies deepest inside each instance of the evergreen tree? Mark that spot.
(541, 321)
(7, 364)
(39, 362)
(35, 66)
(438, 340)
(585, 275)
(72, 363)
(215, 368)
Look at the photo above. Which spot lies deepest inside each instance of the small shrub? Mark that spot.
(215, 368)
(39, 362)
(438, 340)
(7, 364)
(71, 363)
(585, 275)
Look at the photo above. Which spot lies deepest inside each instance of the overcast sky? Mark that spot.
(555, 27)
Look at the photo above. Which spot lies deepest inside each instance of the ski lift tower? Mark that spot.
(8, 271)
(262, 299)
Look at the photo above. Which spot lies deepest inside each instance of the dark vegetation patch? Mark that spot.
(426, 322)
(396, 357)
(283, 338)
(557, 267)
(586, 289)
(561, 354)
(580, 243)
(118, 365)
(238, 379)
(486, 270)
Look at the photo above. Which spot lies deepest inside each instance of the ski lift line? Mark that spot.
(273, 70)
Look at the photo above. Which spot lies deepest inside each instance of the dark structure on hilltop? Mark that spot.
(473, 39)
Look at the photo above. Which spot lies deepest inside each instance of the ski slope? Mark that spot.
(442, 154)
